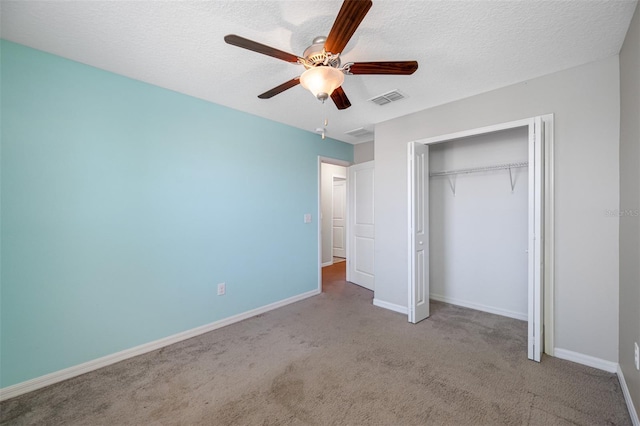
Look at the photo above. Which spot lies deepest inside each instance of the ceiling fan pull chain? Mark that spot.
(323, 130)
(326, 120)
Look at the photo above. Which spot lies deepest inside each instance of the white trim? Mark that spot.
(390, 306)
(549, 236)
(479, 307)
(334, 161)
(536, 240)
(588, 360)
(58, 376)
(476, 132)
(533, 270)
(327, 263)
(627, 398)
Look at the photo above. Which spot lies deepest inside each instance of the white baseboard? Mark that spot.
(391, 306)
(58, 376)
(590, 361)
(627, 398)
(329, 263)
(479, 307)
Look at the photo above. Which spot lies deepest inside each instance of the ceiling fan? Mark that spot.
(324, 74)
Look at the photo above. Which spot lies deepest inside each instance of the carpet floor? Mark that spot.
(335, 359)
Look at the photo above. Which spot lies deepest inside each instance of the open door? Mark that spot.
(418, 164)
(536, 238)
(360, 267)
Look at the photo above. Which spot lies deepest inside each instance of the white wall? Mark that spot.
(327, 173)
(630, 205)
(586, 104)
(363, 152)
(478, 238)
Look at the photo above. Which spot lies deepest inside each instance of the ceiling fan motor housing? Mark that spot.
(315, 55)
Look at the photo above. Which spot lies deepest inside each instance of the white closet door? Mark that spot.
(536, 242)
(361, 225)
(418, 163)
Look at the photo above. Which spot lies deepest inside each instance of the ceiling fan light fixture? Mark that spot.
(322, 81)
(324, 74)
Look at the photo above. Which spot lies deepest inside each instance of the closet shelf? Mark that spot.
(453, 173)
(506, 166)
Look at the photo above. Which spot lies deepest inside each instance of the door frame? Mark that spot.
(335, 162)
(548, 219)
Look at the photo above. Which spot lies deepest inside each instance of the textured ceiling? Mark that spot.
(463, 48)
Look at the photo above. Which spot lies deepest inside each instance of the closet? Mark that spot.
(481, 226)
(478, 222)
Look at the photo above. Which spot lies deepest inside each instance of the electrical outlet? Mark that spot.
(637, 356)
(222, 289)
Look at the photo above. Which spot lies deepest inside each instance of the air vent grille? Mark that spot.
(360, 131)
(388, 97)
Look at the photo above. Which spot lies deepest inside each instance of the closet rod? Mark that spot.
(481, 169)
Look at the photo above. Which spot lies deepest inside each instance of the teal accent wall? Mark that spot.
(124, 204)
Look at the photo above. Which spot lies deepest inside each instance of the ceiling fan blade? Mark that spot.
(396, 68)
(351, 14)
(340, 98)
(279, 89)
(245, 43)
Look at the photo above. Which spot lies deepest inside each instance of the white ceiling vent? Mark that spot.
(359, 132)
(388, 97)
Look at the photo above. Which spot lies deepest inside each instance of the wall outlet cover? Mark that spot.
(222, 289)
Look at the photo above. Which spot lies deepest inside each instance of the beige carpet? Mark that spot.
(335, 359)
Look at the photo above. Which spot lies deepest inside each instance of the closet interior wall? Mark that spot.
(478, 223)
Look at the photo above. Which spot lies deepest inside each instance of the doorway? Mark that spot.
(332, 215)
(539, 240)
(333, 212)
(346, 225)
